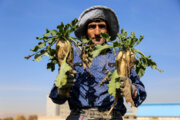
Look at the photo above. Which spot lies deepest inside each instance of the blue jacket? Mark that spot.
(86, 92)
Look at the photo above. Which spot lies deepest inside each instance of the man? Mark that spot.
(89, 100)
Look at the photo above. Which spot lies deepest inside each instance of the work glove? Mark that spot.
(127, 89)
(64, 91)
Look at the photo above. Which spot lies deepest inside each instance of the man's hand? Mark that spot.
(65, 90)
(127, 89)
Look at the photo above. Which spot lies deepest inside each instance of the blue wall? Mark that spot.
(159, 110)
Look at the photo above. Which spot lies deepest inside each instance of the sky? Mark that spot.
(25, 84)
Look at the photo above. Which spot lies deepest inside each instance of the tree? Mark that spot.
(33, 117)
(20, 117)
(7, 118)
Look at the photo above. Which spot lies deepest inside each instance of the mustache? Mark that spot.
(97, 37)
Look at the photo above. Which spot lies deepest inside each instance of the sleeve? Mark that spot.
(141, 93)
(55, 97)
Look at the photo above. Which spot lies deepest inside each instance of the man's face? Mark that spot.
(94, 30)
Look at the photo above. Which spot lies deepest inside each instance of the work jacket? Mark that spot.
(87, 92)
